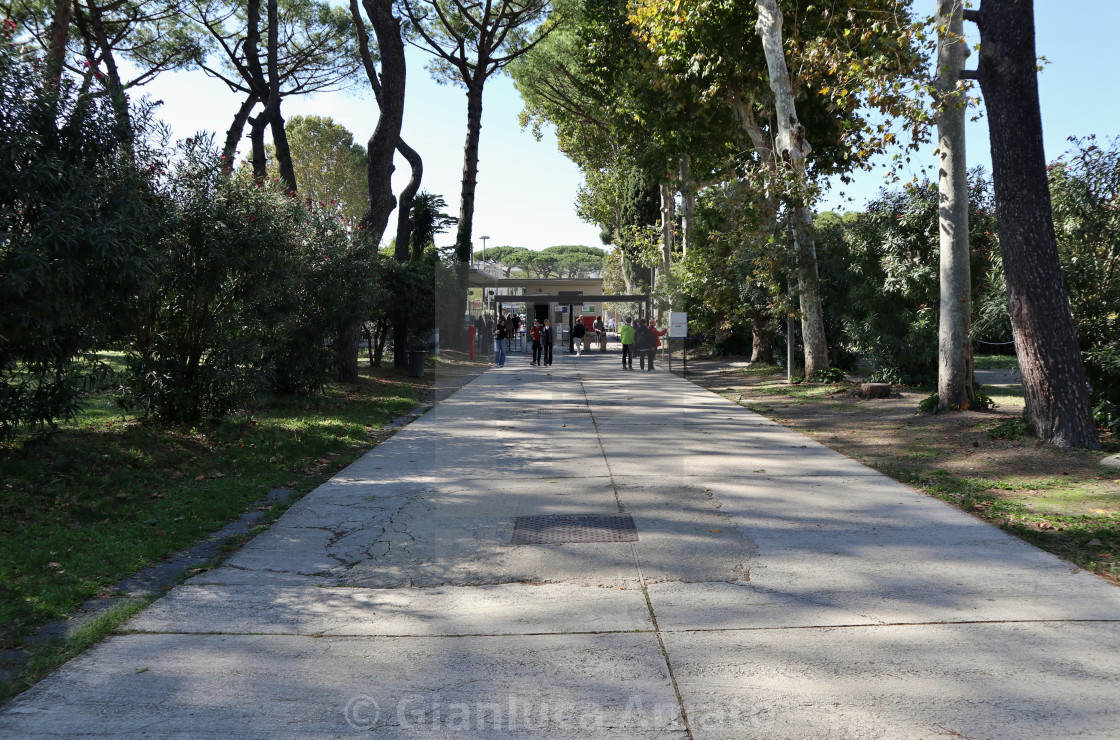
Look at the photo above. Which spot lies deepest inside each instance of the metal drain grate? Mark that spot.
(559, 528)
(560, 410)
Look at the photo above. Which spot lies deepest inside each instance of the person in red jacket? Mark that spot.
(657, 334)
(535, 336)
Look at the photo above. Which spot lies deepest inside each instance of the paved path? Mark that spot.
(777, 590)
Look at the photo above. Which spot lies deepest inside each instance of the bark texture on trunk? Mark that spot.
(236, 131)
(1054, 383)
(688, 203)
(346, 345)
(389, 89)
(470, 174)
(793, 150)
(112, 72)
(60, 32)
(954, 352)
(401, 251)
(253, 61)
(668, 222)
(383, 142)
(762, 340)
(275, 119)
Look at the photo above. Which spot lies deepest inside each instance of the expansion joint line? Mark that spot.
(638, 566)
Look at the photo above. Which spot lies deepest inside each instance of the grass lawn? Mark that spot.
(112, 494)
(982, 462)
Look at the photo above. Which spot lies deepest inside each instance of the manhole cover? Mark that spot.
(558, 528)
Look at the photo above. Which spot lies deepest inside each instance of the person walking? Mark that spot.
(535, 337)
(626, 336)
(601, 329)
(479, 328)
(657, 334)
(643, 340)
(578, 330)
(547, 340)
(500, 336)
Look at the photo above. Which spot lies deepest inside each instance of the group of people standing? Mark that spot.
(638, 336)
(644, 337)
(581, 337)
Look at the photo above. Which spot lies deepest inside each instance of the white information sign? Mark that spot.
(678, 324)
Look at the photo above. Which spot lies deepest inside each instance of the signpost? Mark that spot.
(678, 329)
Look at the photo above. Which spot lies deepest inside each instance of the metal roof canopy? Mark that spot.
(571, 298)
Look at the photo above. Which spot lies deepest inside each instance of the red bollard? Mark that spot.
(470, 339)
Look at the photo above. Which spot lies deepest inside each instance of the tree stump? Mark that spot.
(874, 390)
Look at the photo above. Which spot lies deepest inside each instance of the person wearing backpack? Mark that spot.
(578, 330)
(643, 340)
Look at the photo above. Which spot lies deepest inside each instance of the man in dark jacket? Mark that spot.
(547, 339)
(578, 330)
(643, 340)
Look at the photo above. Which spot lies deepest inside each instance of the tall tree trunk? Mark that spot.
(383, 142)
(1054, 384)
(346, 345)
(809, 294)
(954, 356)
(112, 73)
(401, 250)
(688, 203)
(235, 132)
(668, 224)
(402, 253)
(381, 147)
(275, 119)
(792, 150)
(60, 32)
(463, 245)
(762, 339)
(257, 126)
(253, 60)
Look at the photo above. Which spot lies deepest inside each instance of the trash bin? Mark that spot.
(416, 362)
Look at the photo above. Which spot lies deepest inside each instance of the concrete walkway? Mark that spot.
(776, 590)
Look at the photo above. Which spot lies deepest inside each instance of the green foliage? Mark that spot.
(983, 402)
(1011, 429)
(887, 294)
(730, 276)
(111, 496)
(249, 286)
(76, 214)
(328, 284)
(830, 375)
(330, 168)
(1085, 192)
(931, 404)
(428, 220)
(563, 261)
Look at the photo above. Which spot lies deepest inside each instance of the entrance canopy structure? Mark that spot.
(551, 294)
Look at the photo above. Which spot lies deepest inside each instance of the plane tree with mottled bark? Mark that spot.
(845, 57)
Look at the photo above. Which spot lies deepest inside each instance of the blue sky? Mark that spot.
(526, 189)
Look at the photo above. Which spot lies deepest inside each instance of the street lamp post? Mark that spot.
(483, 238)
